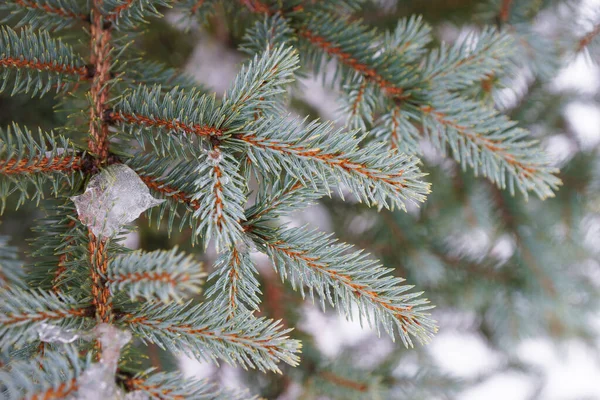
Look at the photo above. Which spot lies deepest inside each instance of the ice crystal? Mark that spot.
(55, 334)
(98, 381)
(114, 197)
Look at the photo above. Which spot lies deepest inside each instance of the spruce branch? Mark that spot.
(21, 312)
(46, 14)
(489, 143)
(280, 197)
(469, 60)
(56, 248)
(221, 196)
(11, 269)
(174, 182)
(234, 285)
(172, 386)
(164, 275)
(374, 174)
(35, 63)
(396, 128)
(343, 278)
(410, 38)
(243, 340)
(27, 160)
(51, 376)
(125, 14)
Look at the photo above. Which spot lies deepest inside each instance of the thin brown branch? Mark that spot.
(505, 10)
(50, 10)
(61, 391)
(100, 59)
(333, 160)
(275, 202)
(62, 261)
(153, 122)
(494, 146)
(247, 342)
(587, 39)
(359, 289)
(164, 277)
(345, 382)
(133, 384)
(169, 191)
(347, 59)
(12, 319)
(116, 13)
(41, 165)
(11, 62)
(101, 297)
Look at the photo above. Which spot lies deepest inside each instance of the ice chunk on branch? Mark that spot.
(55, 334)
(98, 381)
(113, 198)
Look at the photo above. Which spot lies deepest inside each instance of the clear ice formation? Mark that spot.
(98, 381)
(113, 198)
(55, 334)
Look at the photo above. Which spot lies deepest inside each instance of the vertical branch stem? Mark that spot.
(100, 60)
(98, 144)
(101, 297)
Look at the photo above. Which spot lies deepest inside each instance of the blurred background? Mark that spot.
(516, 283)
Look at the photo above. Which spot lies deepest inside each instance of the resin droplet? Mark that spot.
(113, 198)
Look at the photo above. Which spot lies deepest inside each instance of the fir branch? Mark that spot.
(172, 386)
(234, 286)
(51, 376)
(375, 175)
(167, 119)
(469, 60)
(173, 182)
(164, 275)
(489, 143)
(22, 311)
(272, 31)
(125, 14)
(41, 165)
(29, 160)
(35, 63)
(243, 340)
(221, 195)
(344, 278)
(280, 197)
(259, 81)
(11, 269)
(396, 128)
(66, 9)
(55, 248)
(410, 38)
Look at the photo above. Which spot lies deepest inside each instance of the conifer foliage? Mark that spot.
(201, 153)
